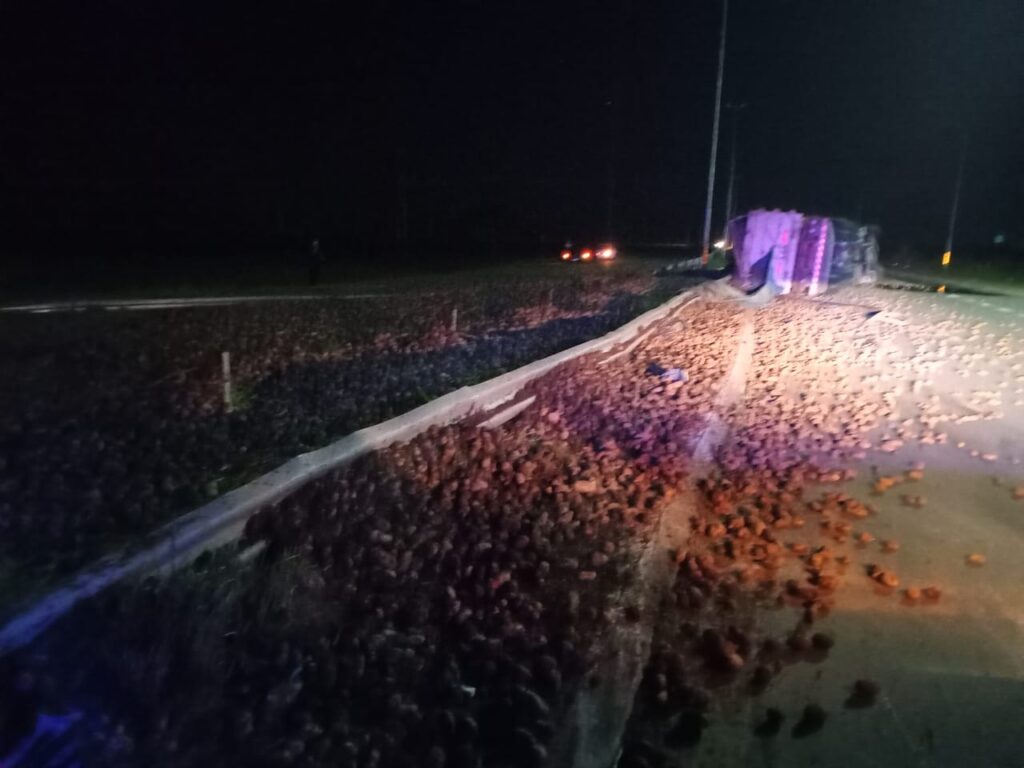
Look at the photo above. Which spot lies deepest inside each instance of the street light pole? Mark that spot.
(947, 255)
(610, 176)
(706, 242)
(729, 200)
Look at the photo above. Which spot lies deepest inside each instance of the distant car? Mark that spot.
(604, 252)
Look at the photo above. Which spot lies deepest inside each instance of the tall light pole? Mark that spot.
(729, 199)
(947, 255)
(610, 178)
(706, 241)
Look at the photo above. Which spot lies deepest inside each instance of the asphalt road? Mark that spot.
(951, 673)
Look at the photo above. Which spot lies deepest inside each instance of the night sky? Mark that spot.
(127, 124)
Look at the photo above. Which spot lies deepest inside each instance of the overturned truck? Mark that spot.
(793, 252)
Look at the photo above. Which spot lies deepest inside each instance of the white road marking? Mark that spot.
(215, 301)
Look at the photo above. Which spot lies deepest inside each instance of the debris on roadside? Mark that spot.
(886, 578)
(864, 694)
(912, 594)
(811, 721)
(884, 483)
(772, 723)
(932, 594)
(666, 374)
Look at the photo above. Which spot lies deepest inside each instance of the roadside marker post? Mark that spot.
(225, 366)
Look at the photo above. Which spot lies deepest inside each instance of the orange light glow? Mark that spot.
(941, 289)
(606, 253)
(946, 258)
(566, 255)
(586, 255)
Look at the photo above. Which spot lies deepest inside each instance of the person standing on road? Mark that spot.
(316, 259)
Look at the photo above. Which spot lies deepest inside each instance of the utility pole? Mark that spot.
(947, 255)
(402, 223)
(610, 179)
(706, 241)
(729, 197)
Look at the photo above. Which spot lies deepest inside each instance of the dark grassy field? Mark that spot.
(989, 266)
(107, 277)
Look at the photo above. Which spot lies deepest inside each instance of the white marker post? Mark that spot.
(455, 319)
(225, 366)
